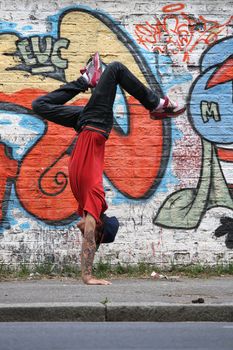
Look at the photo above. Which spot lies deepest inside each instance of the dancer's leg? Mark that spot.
(104, 94)
(51, 106)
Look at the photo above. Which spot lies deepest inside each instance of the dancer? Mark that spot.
(94, 122)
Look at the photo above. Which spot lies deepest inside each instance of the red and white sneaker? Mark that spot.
(169, 109)
(93, 70)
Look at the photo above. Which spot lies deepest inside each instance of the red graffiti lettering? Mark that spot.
(43, 178)
(42, 185)
(8, 170)
(178, 34)
(132, 162)
(222, 74)
(173, 7)
(225, 154)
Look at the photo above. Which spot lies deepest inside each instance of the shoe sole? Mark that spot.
(167, 115)
(97, 68)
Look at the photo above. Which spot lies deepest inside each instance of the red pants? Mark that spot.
(86, 173)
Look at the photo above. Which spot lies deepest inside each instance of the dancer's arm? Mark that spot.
(88, 252)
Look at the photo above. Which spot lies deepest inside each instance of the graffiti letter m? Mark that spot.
(210, 110)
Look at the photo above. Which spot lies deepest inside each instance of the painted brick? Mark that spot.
(167, 216)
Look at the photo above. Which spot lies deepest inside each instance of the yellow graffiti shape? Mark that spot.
(88, 34)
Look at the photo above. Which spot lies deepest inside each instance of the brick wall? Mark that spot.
(169, 182)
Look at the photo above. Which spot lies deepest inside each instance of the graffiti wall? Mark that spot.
(168, 181)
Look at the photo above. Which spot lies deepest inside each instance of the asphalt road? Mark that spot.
(112, 336)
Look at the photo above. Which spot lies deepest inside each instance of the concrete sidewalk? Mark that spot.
(124, 300)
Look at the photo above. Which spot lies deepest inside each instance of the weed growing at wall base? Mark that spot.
(106, 270)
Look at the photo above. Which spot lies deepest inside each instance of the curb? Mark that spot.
(53, 312)
(115, 312)
(155, 312)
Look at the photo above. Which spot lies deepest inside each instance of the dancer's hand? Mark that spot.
(94, 281)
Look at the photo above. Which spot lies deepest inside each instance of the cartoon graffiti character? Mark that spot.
(210, 113)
